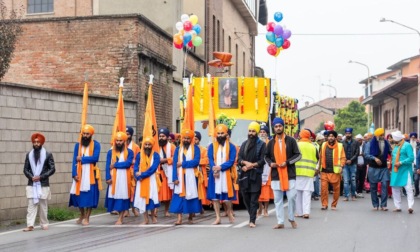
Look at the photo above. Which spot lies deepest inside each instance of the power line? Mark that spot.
(348, 34)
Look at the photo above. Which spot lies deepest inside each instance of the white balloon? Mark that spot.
(184, 17)
(179, 26)
(193, 33)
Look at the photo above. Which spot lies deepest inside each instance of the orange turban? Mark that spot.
(221, 128)
(149, 140)
(305, 134)
(40, 137)
(379, 132)
(121, 136)
(187, 132)
(88, 129)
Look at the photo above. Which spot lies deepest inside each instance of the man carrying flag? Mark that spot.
(84, 192)
(136, 149)
(146, 194)
(118, 162)
(166, 152)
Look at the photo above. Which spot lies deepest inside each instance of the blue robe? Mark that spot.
(211, 189)
(86, 199)
(179, 204)
(406, 158)
(111, 204)
(149, 172)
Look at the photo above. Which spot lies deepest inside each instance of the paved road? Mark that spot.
(353, 227)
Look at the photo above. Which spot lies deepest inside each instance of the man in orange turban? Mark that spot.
(39, 166)
(136, 149)
(84, 192)
(118, 162)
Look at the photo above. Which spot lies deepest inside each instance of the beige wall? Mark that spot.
(62, 8)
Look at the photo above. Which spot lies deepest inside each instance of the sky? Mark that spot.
(313, 58)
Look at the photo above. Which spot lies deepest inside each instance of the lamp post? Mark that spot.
(335, 90)
(418, 72)
(368, 86)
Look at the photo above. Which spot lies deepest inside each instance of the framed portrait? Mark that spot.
(228, 93)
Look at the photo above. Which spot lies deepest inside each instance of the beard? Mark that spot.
(251, 137)
(119, 147)
(186, 144)
(129, 139)
(37, 153)
(86, 141)
(162, 142)
(221, 140)
(348, 137)
(148, 151)
(331, 142)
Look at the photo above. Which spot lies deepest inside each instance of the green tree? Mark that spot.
(10, 29)
(353, 116)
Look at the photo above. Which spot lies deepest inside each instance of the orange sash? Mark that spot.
(116, 154)
(79, 168)
(397, 157)
(280, 157)
(145, 183)
(335, 152)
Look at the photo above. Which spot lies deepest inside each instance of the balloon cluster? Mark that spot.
(188, 30)
(277, 36)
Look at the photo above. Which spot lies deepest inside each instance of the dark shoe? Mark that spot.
(410, 210)
(316, 198)
(324, 207)
(396, 210)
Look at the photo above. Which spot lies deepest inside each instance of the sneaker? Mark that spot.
(360, 195)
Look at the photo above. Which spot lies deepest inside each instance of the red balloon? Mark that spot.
(286, 44)
(178, 46)
(329, 125)
(272, 49)
(270, 26)
(188, 26)
(190, 44)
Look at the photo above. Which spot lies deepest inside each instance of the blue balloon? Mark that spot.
(278, 16)
(197, 28)
(279, 42)
(187, 37)
(270, 37)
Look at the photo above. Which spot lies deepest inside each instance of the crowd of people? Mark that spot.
(183, 176)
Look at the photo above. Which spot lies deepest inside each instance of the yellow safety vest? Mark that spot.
(336, 168)
(306, 166)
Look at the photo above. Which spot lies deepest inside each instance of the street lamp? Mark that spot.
(335, 90)
(418, 73)
(368, 86)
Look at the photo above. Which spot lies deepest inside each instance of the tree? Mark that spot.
(10, 29)
(353, 116)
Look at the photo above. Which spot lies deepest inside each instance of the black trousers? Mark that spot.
(250, 200)
(360, 178)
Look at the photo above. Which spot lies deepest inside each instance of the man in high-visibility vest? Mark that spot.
(332, 160)
(305, 172)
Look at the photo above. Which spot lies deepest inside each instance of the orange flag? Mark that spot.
(150, 126)
(83, 122)
(119, 122)
(189, 110)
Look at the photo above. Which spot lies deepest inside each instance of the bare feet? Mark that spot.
(306, 216)
(216, 222)
(167, 214)
(126, 213)
(265, 213)
(278, 226)
(135, 212)
(252, 225)
(259, 212)
(118, 222)
(231, 218)
(80, 220)
(178, 223)
(294, 224)
(28, 229)
(85, 222)
(333, 208)
(44, 227)
(154, 219)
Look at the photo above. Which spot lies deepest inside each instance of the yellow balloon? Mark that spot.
(278, 52)
(193, 19)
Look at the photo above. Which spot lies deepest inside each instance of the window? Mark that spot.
(214, 33)
(40, 6)
(223, 40)
(218, 35)
(230, 44)
(236, 59)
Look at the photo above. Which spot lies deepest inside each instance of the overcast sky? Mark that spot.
(314, 58)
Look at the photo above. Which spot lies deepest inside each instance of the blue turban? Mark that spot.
(198, 135)
(164, 131)
(278, 120)
(325, 132)
(265, 128)
(130, 130)
(349, 130)
(413, 134)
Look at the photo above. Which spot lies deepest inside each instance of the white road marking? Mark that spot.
(117, 226)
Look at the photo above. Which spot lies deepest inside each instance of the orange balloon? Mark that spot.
(178, 39)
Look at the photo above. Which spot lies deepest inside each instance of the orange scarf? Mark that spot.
(335, 152)
(115, 155)
(79, 168)
(280, 157)
(397, 157)
(145, 183)
(228, 172)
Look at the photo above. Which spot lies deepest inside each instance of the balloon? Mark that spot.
(270, 26)
(270, 42)
(178, 38)
(278, 52)
(278, 30)
(193, 19)
(187, 26)
(178, 46)
(193, 33)
(187, 37)
(278, 16)
(286, 34)
(286, 44)
(197, 28)
(270, 36)
(179, 26)
(197, 41)
(184, 17)
(190, 44)
(279, 42)
(272, 50)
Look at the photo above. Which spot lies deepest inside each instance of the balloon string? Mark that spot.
(185, 62)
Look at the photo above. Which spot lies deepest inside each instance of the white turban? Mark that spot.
(397, 136)
(359, 136)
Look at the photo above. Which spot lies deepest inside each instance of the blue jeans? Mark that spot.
(316, 187)
(349, 176)
(376, 175)
(278, 200)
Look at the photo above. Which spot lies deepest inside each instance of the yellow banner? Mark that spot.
(240, 98)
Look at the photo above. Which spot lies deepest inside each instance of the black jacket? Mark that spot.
(353, 149)
(250, 181)
(47, 170)
(292, 156)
